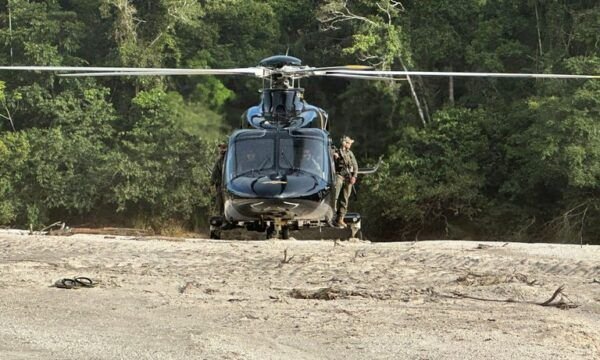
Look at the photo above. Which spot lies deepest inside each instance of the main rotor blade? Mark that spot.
(354, 70)
(364, 77)
(291, 70)
(258, 73)
(89, 71)
(465, 74)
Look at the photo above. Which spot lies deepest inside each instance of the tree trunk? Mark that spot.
(451, 90)
(414, 95)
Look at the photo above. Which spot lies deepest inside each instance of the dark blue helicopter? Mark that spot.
(278, 171)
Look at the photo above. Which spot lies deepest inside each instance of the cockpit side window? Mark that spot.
(251, 155)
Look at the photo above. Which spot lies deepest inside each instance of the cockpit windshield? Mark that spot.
(251, 154)
(304, 154)
(260, 153)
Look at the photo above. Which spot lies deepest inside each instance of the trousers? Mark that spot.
(343, 187)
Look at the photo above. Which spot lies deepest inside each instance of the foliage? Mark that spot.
(431, 178)
(14, 152)
(492, 158)
(161, 171)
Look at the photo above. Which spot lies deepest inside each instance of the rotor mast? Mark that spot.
(281, 100)
(278, 79)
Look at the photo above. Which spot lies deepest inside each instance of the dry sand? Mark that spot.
(205, 299)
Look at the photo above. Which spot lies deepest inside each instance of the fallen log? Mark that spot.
(113, 231)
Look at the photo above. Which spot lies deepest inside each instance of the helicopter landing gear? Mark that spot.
(278, 230)
(216, 222)
(353, 221)
(285, 233)
(355, 231)
(271, 232)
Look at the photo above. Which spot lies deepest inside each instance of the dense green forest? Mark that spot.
(506, 159)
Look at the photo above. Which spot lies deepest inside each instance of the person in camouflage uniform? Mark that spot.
(217, 177)
(346, 169)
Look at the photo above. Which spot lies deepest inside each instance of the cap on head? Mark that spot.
(347, 139)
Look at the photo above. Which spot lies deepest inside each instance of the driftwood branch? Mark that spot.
(335, 293)
(285, 259)
(558, 293)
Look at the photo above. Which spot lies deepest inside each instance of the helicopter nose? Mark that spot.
(274, 207)
(277, 177)
(275, 186)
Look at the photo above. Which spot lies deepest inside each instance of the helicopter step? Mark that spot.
(284, 230)
(351, 231)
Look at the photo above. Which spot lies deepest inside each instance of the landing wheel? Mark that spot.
(355, 230)
(271, 232)
(215, 234)
(285, 233)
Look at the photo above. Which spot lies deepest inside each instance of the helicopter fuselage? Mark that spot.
(278, 171)
(281, 174)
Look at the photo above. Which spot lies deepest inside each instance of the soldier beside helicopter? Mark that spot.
(346, 169)
(217, 177)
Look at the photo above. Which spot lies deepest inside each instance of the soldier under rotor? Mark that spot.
(216, 178)
(346, 169)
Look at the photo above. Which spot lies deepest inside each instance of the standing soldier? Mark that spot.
(217, 177)
(347, 170)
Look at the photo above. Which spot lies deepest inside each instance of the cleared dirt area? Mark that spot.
(210, 299)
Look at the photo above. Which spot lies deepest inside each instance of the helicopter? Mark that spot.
(278, 170)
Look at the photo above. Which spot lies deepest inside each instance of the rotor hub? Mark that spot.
(279, 61)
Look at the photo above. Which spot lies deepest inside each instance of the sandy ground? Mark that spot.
(210, 299)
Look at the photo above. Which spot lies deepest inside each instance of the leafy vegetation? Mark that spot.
(485, 158)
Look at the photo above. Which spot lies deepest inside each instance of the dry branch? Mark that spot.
(113, 231)
(188, 285)
(359, 253)
(472, 278)
(561, 304)
(333, 293)
(285, 259)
